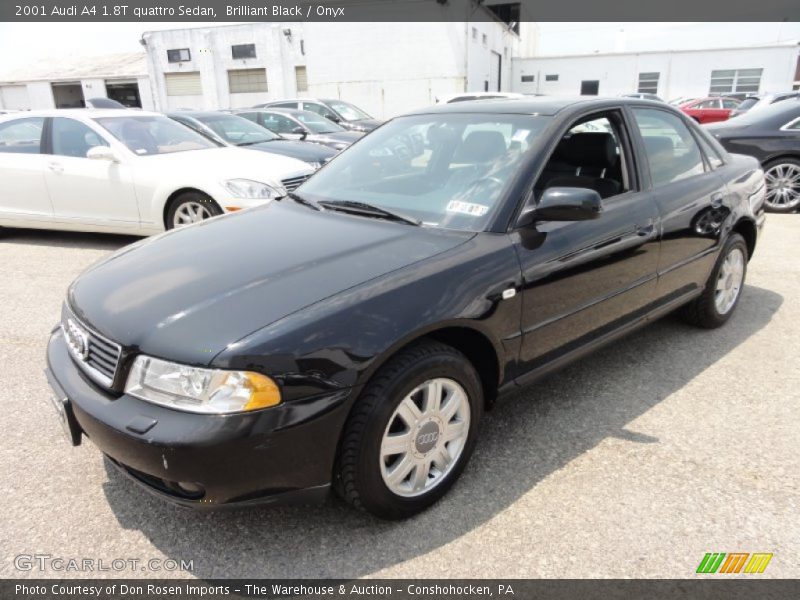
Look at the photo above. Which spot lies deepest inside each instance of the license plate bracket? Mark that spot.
(66, 417)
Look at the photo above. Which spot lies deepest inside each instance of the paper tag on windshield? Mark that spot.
(467, 208)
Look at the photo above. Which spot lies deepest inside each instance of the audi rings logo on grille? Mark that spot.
(77, 339)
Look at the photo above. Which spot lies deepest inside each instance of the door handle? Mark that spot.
(55, 167)
(716, 200)
(646, 229)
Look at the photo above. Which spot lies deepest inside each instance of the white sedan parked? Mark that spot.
(127, 172)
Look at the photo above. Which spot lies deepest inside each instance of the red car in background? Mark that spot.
(710, 110)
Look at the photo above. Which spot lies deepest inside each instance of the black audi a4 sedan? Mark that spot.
(771, 135)
(352, 334)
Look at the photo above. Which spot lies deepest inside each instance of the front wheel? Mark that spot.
(411, 432)
(189, 208)
(723, 289)
(783, 185)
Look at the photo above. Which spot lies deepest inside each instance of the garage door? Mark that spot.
(184, 84)
(14, 97)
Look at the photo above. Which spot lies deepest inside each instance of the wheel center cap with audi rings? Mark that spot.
(427, 437)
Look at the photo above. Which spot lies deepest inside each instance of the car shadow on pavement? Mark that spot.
(66, 239)
(525, 438)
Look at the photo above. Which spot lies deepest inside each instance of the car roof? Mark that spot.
(88, 113)
(292, 112)
(537, 105)
(197, 114)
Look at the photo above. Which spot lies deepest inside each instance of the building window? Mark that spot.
(243, 51)
(301, 77)
(551, 77)
(735, 81)
(648, 83)
(527, 79)
(474, 34)
(242, 81)
(485, 39)
(183, 84)
(179, 55)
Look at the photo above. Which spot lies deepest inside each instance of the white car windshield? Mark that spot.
(347, 111)
(318, 124)
(146, 135)
(445, 170)
(237, 130)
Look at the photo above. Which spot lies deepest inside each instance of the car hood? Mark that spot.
(305, 151)
(369, 124)
(346, 137)
(188, 294)
(226, 163)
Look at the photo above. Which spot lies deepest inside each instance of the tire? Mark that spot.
(364, 468)
(782, 173)
(705, 311)
(189, 204)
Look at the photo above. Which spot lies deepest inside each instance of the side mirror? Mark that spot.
(102, 153)
(564, 204)
(301, 132)
(333, 118)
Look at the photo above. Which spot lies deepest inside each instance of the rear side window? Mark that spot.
(672, 152)
(279, 123)
(22, 136)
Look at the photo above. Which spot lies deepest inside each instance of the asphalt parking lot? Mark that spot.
(634, 462)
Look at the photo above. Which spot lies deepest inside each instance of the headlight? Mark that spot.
(192, 389)
(252, 190)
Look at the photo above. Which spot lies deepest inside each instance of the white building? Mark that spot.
(669, 74)
(68, 81)
(385, 68)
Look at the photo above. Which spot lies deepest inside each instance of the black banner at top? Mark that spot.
(396, 10)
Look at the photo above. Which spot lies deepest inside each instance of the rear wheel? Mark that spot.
(191, 207)
(411, 432)
(724, 287)
(783, 185)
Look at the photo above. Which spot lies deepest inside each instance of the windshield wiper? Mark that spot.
(302, 200)
(363, 208)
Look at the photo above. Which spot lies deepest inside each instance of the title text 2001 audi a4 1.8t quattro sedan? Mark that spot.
(352, 334)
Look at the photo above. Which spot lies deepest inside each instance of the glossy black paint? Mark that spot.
(315, 154)
(319, 300)
(759, 133)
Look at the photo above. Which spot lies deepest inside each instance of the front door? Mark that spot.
(86, 191)
(584, 277)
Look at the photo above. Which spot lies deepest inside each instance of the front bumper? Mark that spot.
(284, 453)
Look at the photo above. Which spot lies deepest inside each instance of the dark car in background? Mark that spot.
(301, 125)
(762, 101)
(772, 136)
(231, 130)
(345, 114)
(351, 335)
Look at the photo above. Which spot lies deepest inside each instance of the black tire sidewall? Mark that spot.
(185, 197)
(375, 495)
(774, 163)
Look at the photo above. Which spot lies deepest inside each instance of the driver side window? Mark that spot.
(73, 138)
(589, 155)
(319, 109)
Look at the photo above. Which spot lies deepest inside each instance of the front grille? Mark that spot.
(97, 356)
(293, 183)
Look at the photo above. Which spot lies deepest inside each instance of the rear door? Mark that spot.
(691, 197)
(23, 191)
(84, 191)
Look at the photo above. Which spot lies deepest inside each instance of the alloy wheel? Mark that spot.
(729, 281)
(190, 212)
(425, 437)
(783, 186)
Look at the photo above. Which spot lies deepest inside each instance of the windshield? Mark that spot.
(148, 135)
(347, 111)
(446, 170)
(318, 124)
(236, 130)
